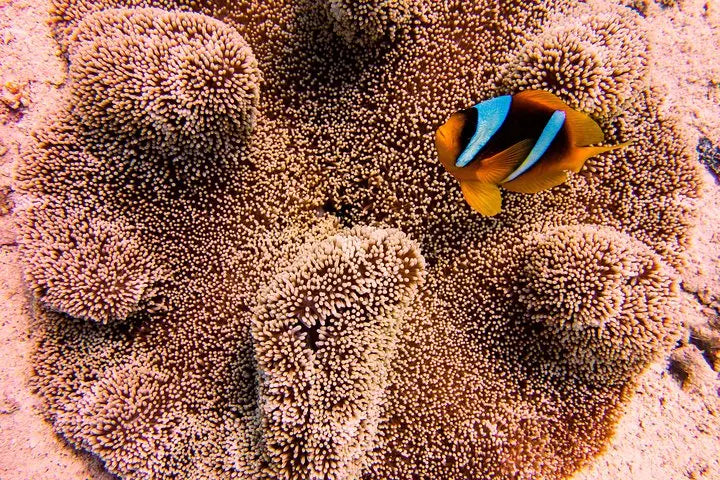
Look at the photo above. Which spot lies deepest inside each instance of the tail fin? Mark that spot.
(580, 155)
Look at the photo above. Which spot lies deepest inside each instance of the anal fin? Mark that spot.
(549, 173)
(482, 197)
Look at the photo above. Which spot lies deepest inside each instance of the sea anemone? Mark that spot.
(368, 21)
(605, 302)
(87, 267)
(593, 58)
(295, 338)
(152, 86)
(325, 335)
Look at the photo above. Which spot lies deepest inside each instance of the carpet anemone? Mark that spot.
(288, 285)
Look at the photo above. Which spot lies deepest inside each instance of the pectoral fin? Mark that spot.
(494, 169)
(539, 178)
(482, 197)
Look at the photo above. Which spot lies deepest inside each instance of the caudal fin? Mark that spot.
(577, 158)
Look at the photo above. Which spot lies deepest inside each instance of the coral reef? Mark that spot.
(252, 306)
(709, 156)
(697, 359)
(707, 339)
(642, 5)
(689, 366)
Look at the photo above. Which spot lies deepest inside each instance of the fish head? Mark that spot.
(447, 142)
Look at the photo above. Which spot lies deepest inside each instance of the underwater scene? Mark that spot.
(360, 239)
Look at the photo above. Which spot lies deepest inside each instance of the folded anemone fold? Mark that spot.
(86, 266)
(175, 91)
(605, 304)
(325, 334)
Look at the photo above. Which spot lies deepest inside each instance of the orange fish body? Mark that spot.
(525, 143)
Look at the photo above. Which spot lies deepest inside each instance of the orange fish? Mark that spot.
(525, 143)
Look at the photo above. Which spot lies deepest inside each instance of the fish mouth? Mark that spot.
(440, 135)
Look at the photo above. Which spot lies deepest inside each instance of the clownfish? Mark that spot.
(525, 142)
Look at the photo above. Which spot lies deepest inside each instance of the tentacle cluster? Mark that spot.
(368, 21)
(325, 334)
(151, 85)
(592, 60)
(607, 304)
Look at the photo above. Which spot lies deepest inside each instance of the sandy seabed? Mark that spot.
(671, 429)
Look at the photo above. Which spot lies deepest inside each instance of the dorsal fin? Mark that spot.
(542, 97)
(482, 197)
(494, 169)
(491, 115)
(582, 130)
(552, 128)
